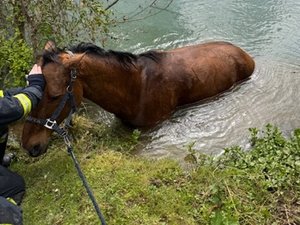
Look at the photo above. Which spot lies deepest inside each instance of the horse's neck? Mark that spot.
(111, 86)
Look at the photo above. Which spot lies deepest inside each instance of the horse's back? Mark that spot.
(189, 74)
(199, 71)
(208, 69)
(217, 53)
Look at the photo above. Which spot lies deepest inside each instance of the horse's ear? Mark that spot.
(50, 46)
(73, 61)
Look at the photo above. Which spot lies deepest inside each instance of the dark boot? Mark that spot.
(7, 159)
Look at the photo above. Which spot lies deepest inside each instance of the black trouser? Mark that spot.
(10, 213)
(3, 142)
(12, 185)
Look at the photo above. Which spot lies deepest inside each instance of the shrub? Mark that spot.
(15, 60)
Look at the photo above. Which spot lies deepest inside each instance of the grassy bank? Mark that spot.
(260, 186)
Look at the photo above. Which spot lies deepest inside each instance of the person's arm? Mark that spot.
(17, 105)
(12, 91)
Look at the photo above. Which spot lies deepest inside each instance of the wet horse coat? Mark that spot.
(141, 90)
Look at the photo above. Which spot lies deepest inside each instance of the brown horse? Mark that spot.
(141, 90)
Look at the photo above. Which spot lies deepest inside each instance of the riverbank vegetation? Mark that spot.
(255, 186)
(26, 26)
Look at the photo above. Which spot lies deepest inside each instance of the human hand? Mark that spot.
(35, 70)
(35, 77)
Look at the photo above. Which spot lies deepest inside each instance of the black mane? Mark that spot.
(125, 58)
(51, 56)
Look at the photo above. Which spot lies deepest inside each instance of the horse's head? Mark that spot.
(57, 66)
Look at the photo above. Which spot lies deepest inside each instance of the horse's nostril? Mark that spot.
(35, 151)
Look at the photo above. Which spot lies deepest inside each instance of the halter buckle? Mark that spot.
(50, 123)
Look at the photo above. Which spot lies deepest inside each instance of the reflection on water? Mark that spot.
(268, 30)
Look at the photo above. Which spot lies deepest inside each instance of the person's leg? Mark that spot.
(11, 185)
(3, 142)
(5, 159)
(9, 212)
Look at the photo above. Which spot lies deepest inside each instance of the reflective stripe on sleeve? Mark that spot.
(1, 94)
(25, 102)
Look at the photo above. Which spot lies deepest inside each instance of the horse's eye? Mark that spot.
(54, 97)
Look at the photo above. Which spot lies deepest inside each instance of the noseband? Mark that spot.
(51, 123)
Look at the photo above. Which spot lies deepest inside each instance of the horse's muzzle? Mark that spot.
(37, 150)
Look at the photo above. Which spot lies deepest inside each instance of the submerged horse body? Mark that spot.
(142, 89)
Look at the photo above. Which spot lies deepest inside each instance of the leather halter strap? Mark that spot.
(51, 123)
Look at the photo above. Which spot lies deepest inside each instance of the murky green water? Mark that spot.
(269, 30)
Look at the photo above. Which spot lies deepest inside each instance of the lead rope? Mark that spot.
(67, 141)
(84, 181)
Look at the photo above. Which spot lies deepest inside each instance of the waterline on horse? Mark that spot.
(140, 89)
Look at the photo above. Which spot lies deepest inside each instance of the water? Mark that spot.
(268, 30)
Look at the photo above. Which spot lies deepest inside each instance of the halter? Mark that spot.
(51, 123)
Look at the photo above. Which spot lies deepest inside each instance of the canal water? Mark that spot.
(268, 30)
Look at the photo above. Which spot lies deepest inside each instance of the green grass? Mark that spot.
(260, 186)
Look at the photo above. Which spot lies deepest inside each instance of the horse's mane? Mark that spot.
(152, 54)
(125, 58)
